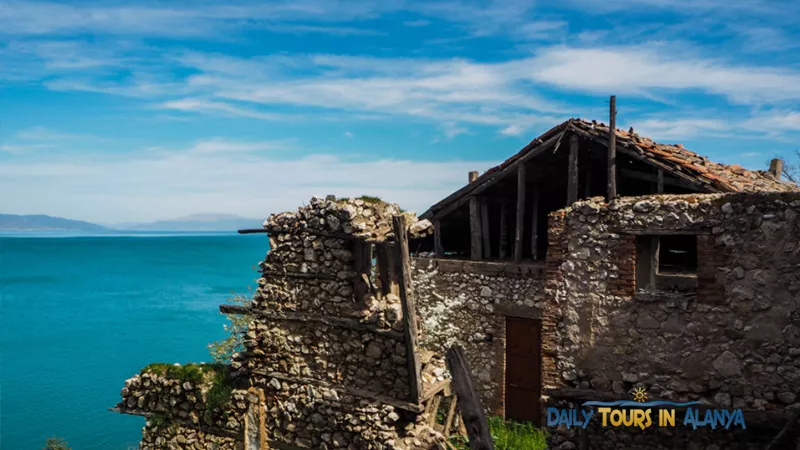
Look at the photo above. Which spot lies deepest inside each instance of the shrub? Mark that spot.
(222, 350)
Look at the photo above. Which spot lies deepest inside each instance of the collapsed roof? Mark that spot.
(674, 159)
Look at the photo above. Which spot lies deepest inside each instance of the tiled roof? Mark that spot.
(688, 164)
(674, 159)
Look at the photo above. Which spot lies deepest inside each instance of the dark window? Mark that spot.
(666, 262)
(677, 254)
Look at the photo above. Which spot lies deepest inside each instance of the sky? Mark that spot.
(128, 112)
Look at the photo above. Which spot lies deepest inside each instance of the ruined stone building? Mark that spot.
(330, 359)
(687, 283)
(568, 272)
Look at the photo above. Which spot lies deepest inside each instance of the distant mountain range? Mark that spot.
(42, 222)
(193, 222)
(197, 222)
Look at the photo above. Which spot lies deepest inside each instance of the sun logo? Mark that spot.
(639, 394)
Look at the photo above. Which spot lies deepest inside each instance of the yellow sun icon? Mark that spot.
(639, 394)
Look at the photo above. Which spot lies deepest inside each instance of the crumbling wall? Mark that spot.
(191, 406)
(732, 341)
(326, 349)
(465, 303)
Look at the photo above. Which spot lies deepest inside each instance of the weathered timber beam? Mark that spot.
(306, 276)
(472, 412)
(487, 249)
(291, 316)
(503, 230)
(325, 233)
(450, 413)
(612, 149)
(638, 154)
(409, 308)
(644, 176)
(502, 173)
(535, 222)
(476, 250)
(361, 393)
(572, 180)
(435, 389)
(520, 228)
(660, 182)
(235, 309)
(438, 250)
(537, 145)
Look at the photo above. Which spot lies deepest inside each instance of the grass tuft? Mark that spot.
(510, 436)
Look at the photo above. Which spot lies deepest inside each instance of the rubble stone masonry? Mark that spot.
(732, 339)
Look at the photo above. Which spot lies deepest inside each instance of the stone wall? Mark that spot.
(733, 341)
(465, 303)
(325, 354)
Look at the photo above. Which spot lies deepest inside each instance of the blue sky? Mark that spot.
(115, 112)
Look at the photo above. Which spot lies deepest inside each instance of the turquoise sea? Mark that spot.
(81, 314)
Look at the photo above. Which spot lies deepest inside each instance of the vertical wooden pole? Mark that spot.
(612, 150)
(520, 229)
(472, 412)
(407, 303)
(503, 229)
(362, 264)
(587, 181)
(476, 251)
(660, 188)
(535, 222)
(384, 269)
(437, 239)
(487, 245)
(572, 187)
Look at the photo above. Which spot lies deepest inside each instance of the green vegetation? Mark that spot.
(510, 436)
(222, 350)
(56, 444)
(193, 373)
(365, 198)
(159, 420)
(220, 392)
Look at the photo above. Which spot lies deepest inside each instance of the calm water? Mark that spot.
(79, 315)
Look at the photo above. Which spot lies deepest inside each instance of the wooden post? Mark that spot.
(437, 239)
(660, 187)
(476, 251)
(776, 168)
(612, 150)
(487, 245)
(472, 412)
(384, 269)
(473, 176)
(572, 187)
(520, 229)
(587, 181)
(450, 413)
(535, 222)
(362, 264)
(407, 303)
(503, 229)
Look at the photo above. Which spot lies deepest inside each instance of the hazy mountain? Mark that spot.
(199, 222)
(42, 222)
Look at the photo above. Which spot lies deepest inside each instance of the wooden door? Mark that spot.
(523, 369)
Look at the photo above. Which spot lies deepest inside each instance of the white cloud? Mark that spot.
(512, 130)
(348, 134)
(162, 183)
(637, 70)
